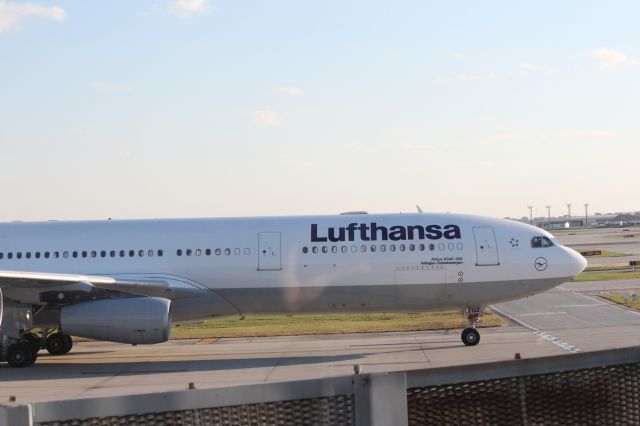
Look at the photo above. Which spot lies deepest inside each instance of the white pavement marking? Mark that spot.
(580, 306)
(564, 345)
(607, 303)
(535, 314)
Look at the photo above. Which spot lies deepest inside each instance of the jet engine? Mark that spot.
(143, 320)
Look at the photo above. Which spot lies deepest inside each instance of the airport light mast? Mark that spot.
(530, 214)
(569, 208)
(586, 214)
(548, 216)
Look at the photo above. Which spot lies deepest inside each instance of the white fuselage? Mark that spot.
(391, 262)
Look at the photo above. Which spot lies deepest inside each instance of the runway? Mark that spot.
(557, 322)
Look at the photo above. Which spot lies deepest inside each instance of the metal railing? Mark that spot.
(586, 388)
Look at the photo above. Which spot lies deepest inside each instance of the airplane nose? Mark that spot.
(578, 262)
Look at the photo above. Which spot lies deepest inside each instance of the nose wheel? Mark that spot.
(470, 336)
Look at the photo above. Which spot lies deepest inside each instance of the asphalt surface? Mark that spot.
(571, 318)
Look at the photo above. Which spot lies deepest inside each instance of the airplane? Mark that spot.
(128, 280)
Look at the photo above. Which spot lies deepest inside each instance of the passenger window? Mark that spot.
(373, 248)
(354, 249)
(84, 254)
(65, 254)
(46, 254)
(218, 252)
(325, 249)
(112, 253)
(179, 252)
(392, 247)
(383, 248)
(422, 247)
(305, 250)
(103, 253)
(37, 255)
(227, 251)
(1, 255)
(160, 253)
(334, 249)
(363, 248)
(412, 247)
(236, 252)
(132, 253)
(198, 252)
(121, 253)
(150, 253)
(247, 251)
(207, 252)
(94, 253)
(188, 252)
(432, 247)
(56, 254)
(344, 249)
(402, 248)
(141, 253)
(9, 255)
(28, 254)
(75, 254)
(314, 249)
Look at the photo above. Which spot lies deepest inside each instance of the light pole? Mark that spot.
(586, 215)
(530, 214)
(548, 216)
(569, 207)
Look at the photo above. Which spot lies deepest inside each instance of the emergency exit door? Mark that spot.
(486, 246)
(269, 251)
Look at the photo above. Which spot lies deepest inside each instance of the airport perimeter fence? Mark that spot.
(596, 388)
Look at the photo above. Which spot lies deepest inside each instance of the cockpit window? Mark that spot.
(538, 242)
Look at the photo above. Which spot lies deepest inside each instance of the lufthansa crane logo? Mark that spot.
(540, 264)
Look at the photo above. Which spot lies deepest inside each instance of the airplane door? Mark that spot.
(486, 246)
(269, 251)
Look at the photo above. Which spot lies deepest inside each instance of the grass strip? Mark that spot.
(306, 324)
(607, 276)
(605, 253)
(619, 298)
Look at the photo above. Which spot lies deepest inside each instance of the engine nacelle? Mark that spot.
(143, 320)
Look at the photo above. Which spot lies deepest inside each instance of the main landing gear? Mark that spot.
(470, 336)
(24, 352)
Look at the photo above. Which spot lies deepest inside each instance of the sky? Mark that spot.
(206, 108)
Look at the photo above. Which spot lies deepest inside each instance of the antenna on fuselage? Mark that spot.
(419, 209)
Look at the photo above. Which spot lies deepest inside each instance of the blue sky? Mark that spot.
(220, 108)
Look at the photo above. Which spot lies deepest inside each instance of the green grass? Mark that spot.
(619, 298)
(607, 276)
(281, 325)
(605, 253)
(609, 267)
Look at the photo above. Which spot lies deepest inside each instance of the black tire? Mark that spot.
(34, 340)
(69, 342)
(20, 355)
(470, 336)
(58, 344)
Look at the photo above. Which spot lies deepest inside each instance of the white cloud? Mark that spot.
(533, 67)
(588, 134)
(504, 138)
(610, 58)
(288, 90)
(473, 77)
(267, 118)
(12, 14)
(102, 87)
(188, 8)
(417, 147)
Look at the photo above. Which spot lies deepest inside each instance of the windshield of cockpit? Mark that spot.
(543, 242)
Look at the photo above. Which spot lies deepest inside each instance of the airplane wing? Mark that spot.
(141, 287)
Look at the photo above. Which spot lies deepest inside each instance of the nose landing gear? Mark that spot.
(470, 336)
